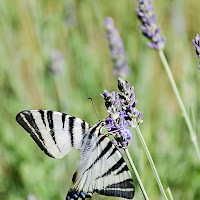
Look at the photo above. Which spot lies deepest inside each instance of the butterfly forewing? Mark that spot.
(54, 132)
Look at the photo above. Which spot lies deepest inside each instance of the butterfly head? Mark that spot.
(97, 129)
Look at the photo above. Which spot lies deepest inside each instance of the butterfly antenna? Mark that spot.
(94, 108)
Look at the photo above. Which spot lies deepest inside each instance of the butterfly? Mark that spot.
(101, 169)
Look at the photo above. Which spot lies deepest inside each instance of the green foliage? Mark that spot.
(29, 30)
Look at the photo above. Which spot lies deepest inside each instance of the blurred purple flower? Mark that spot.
(149, 26)
(196, 43)
(31, 197)
(122, 113)
(56, 62)
(117, 49)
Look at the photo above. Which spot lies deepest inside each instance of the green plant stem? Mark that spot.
(180, 102)
(169, 194)
(136, 174)
(151, 162)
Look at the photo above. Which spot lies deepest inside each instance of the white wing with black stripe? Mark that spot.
(54, 132)
(102, 169)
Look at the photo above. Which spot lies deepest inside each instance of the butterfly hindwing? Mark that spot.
(114, 178)
(54, 132)
(103, 170)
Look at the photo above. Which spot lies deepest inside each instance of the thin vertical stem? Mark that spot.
(151, 162)
(136, 174)
(180, 102)
(169, 194)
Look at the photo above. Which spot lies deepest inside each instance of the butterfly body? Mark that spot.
(101, 168)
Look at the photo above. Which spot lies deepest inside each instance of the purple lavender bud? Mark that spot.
(110, 124)
(117, 102)
(135, 103)
(136, 113)
(117, 48)
(121, 84)
(132, 98)
(196, 43)
(130, 123)
(112, 96)
(114, 116)
(105, 93)
(149, 26)
(56, 63)
(127, 135)
(139, 119)
(115, 142)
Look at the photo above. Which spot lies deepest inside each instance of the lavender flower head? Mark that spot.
(196, 43)
(149, 26)
(122, 113)
(56, 63)
(117, 49)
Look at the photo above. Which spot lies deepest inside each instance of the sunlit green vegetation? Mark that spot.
(30, 30)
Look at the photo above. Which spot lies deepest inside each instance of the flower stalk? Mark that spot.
(151, 162)
(169, 194)
(180, 102)
(136, 174)
(151, 30)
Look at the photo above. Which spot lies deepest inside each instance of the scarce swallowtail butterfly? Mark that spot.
(101, 169)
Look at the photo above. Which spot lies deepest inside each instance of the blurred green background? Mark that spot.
(30, 30)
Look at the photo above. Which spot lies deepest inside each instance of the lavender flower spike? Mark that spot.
(117, 49)
(196, 43)
(149, 26)
(122, 113)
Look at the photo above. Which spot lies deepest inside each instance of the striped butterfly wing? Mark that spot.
(101, 169)
(54, 132)
(113, 176)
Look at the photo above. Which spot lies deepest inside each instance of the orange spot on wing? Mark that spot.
(74, 178)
